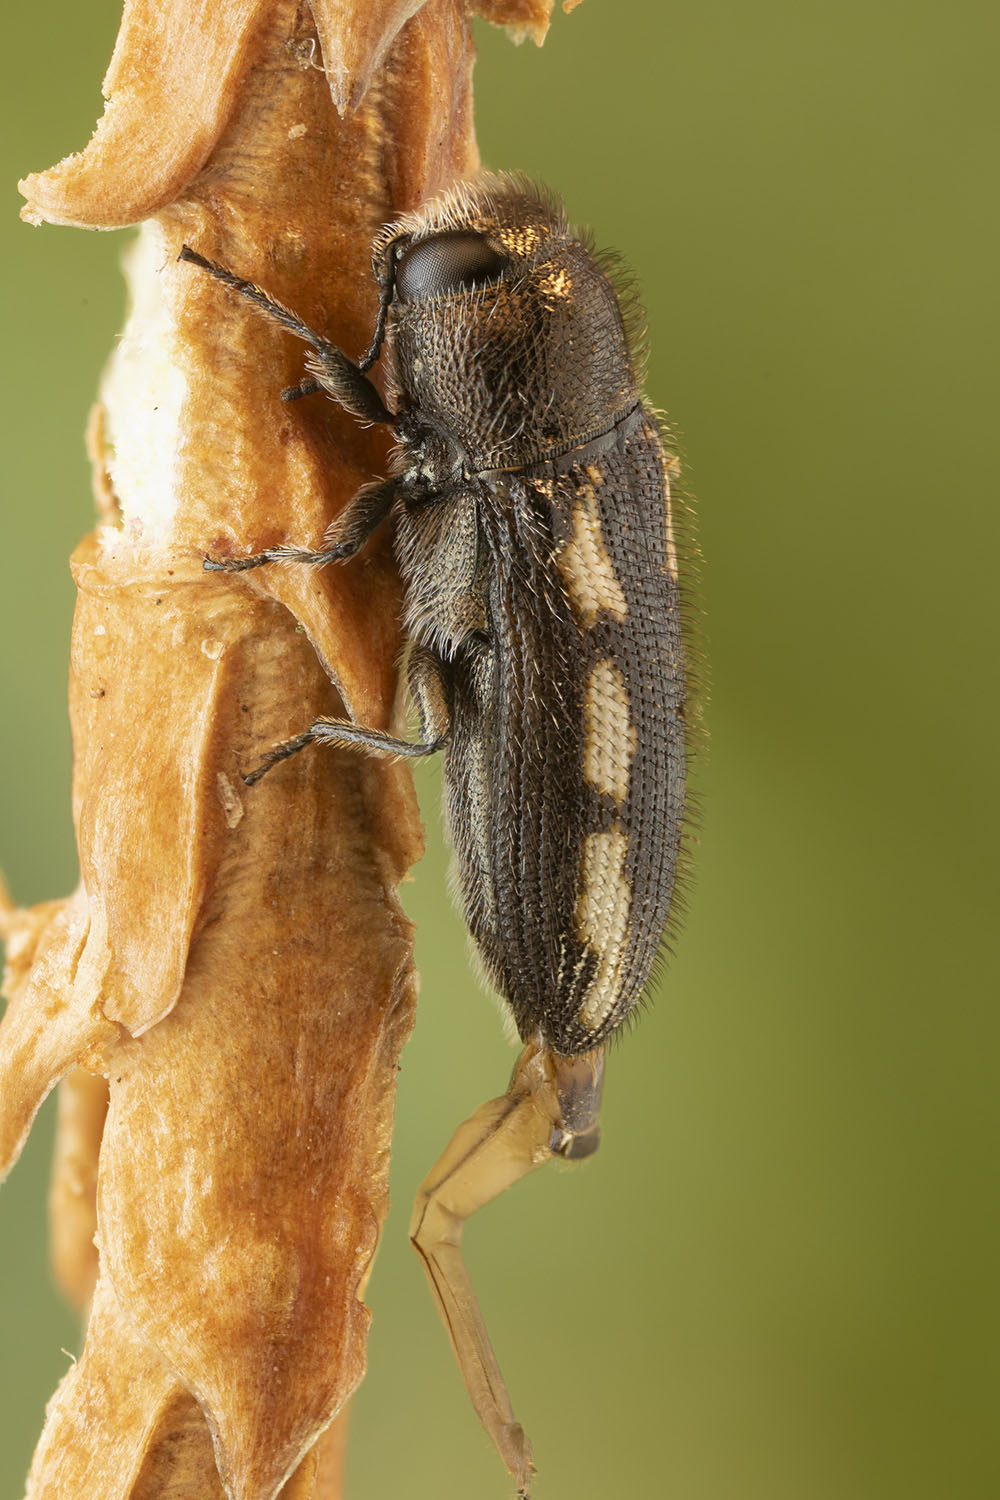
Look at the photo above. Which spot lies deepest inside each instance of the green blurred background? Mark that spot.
(777, 1280)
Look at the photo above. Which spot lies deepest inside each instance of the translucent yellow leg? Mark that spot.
(550, 1109)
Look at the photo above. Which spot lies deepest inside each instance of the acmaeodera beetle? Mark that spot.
(533, 529)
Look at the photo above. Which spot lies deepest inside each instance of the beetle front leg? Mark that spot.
(550, 1109)
(333, 372)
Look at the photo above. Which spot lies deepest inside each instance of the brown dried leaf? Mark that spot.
(48, 1027)
(106, 1414)
(522, 18)
(191, 57)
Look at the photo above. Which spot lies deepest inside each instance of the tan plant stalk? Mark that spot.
(235, 964)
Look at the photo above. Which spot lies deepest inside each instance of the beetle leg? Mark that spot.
(551, 1108)
(359, 519)
(428, 693)
(339, 376)
(304, 388)
(342, 732)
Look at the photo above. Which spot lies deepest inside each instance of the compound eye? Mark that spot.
(450, 262)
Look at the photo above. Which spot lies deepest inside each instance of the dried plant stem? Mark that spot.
(227, 993)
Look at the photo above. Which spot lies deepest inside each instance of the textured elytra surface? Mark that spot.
(565, 773)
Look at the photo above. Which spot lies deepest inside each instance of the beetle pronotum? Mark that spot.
(533, 529)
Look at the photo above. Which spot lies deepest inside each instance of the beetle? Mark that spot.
(531, 500)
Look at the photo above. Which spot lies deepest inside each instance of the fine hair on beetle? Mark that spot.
(546, 560)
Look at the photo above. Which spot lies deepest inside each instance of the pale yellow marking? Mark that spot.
(586, 565)
(609, 736)
(557, 284)
(602, 912)
(594, 475)
(524, 240)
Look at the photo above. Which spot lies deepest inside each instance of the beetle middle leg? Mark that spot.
(357, 522)
(550, 1109)
(428, 693)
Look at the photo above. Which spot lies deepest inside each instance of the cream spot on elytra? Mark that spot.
(602, 913)
(586, 566)
(608, 734)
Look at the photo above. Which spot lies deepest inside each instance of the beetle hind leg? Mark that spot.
(552, 1105)
(430, 697)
